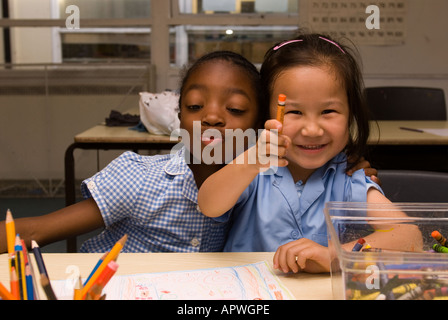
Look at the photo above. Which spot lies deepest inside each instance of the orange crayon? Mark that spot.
(438, 236)
(281, 109)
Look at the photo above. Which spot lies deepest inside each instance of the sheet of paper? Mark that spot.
(439, 132)
(248, 282)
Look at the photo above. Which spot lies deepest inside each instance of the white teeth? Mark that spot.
(313, 147)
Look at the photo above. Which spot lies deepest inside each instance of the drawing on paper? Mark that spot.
(248, 282)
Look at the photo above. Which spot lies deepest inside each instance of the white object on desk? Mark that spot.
(159, 112)
(437, 132)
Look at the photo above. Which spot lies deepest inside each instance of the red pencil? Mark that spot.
(107, 273)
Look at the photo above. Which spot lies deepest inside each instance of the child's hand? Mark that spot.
(369, 171)
(302, 255)
(271, 147)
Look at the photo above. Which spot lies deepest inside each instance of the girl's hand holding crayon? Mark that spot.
(271, 146)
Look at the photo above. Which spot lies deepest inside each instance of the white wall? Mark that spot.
(25, 48)
(35, 132)
(422, 60)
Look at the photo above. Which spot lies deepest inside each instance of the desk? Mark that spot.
(302, 286)
(393, 148)
(389, 133)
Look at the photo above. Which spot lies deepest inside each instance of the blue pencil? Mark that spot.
(29, 283)
(95, 268)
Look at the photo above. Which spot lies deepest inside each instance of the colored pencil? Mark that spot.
(77, 290)
(112, 255)
(41, 266)
(5, 294)
(46, 285)
(29, 283)
(14, 283)
(33, 277)
(94, 292)
(38, 256)
(107, 273)
(20, 267)
(96, 267)
(411, 129)
(10, 232)
(10, 237)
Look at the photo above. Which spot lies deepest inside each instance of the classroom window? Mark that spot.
(250, 41)
(248, 27)
(106, 44)
(237, 6)
(112, 43)
(108, 9)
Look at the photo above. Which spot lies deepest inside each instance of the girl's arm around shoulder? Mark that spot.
(70, 221)
(375, 196)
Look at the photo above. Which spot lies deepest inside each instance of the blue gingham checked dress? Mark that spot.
(152, 199)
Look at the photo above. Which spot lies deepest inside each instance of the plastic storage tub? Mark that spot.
(405, 265)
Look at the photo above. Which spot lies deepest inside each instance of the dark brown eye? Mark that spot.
(328, 111)
(236, 111)
(194, 107)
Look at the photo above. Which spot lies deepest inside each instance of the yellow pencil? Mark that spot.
(20, 265)
(10, 232)
(77, 290)
(113, 254)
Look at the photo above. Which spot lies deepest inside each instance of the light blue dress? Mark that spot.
(273, 210)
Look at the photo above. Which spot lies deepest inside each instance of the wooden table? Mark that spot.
(62, 266)
(393, 148)
(389, 133)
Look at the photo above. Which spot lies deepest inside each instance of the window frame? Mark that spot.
(164, 16)
(225, 19)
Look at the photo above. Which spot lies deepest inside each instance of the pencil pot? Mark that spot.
(388, 251)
